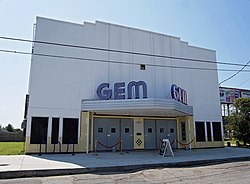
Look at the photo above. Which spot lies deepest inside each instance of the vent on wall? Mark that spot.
(142, 67)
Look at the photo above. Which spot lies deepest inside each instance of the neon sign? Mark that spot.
(179, 94)
(133, 90)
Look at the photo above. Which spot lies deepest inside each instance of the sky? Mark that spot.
(220, 25)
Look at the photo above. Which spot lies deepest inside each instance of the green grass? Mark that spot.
(11, 148)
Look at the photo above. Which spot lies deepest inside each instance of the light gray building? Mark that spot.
(94, 84)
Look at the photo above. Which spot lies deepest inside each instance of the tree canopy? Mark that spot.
(239, 121)
(9, 128)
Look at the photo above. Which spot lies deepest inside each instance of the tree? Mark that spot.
(18, 130)
(9, 128)
(239, 121)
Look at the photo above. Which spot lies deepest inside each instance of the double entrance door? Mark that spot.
(108, 132)
(155, 130)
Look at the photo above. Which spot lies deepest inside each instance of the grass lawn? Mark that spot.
(11, 148)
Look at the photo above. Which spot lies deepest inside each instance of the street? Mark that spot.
(237, 172)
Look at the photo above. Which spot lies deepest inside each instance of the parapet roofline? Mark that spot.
(137, 29)
(122, 26)
(59, 21)
(243, 89)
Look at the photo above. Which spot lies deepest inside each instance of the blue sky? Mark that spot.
(221, 25)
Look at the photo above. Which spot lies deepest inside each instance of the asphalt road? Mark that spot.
(237, 172)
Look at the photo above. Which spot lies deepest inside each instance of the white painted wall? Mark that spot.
(57, 86)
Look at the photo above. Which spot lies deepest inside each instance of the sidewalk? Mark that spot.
(59, 164)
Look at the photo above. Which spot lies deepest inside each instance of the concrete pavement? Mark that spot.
(60, 164)
(227, 173)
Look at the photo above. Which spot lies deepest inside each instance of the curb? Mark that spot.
(131, 168)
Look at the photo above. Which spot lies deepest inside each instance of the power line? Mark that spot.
(243, 82)
(113, 61)
(235, 73)
(121, 51)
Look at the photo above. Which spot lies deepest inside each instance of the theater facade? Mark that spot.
(100, 86)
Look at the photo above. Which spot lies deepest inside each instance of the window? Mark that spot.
(200, 131)
(142, 67)
(161, 130)
(100, 130)
(113, 130)
(217, 131)
(150, 130)
(55, 131)
(171, 130)
(126, 130)
(70, 131)
(183, 131)
(209, 135)
(39, 130)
